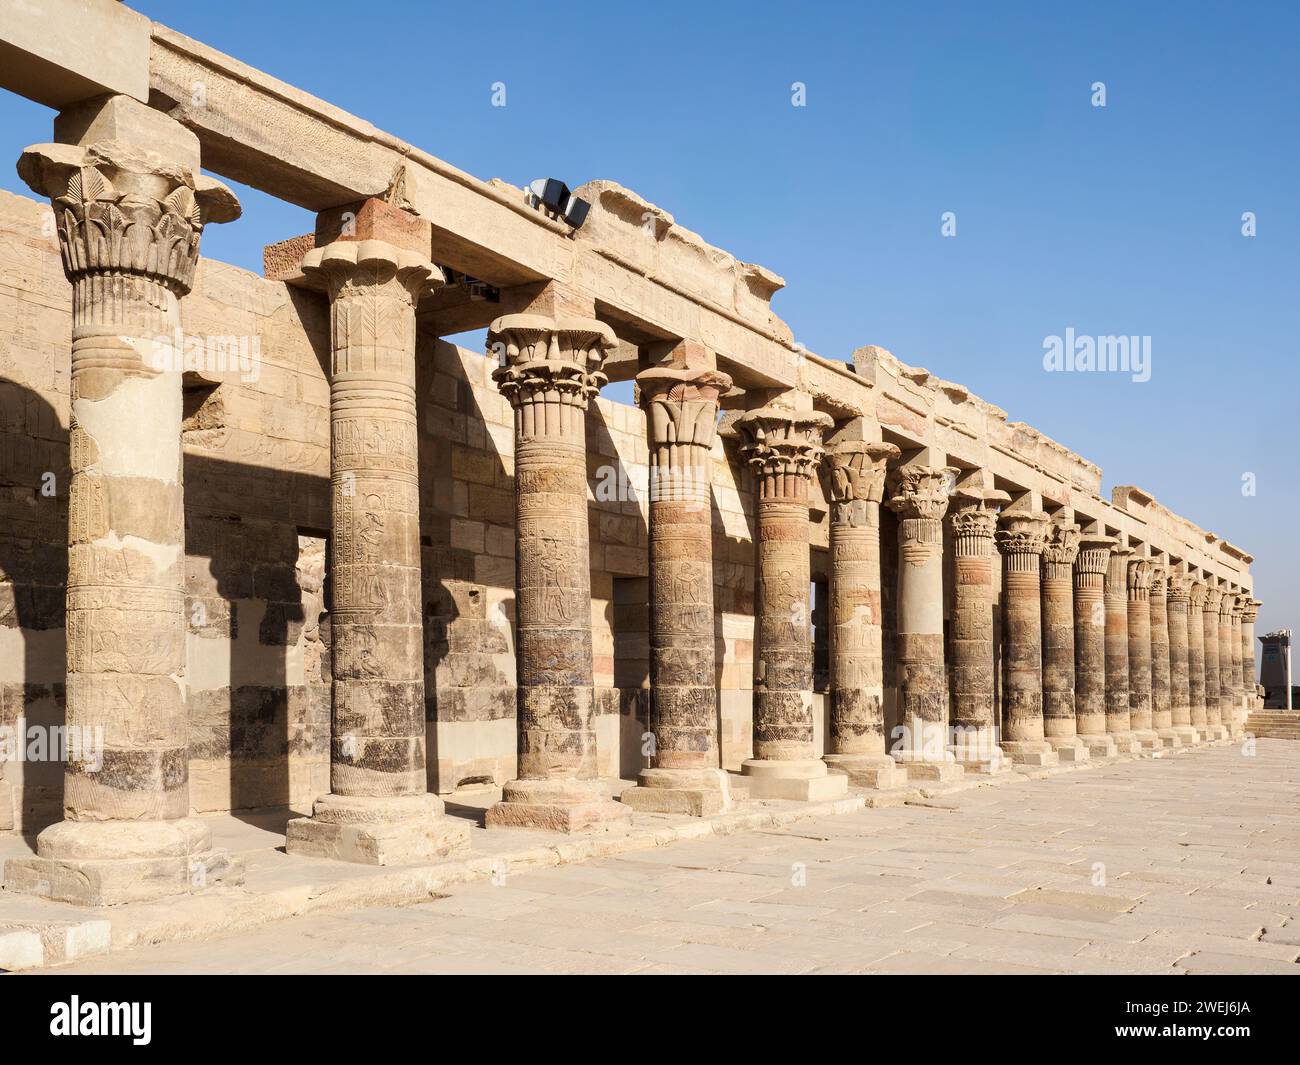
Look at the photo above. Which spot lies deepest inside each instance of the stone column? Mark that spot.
(1059, 725)
(129, 222)
(1139, 654)
(1197, 592)
(681, 409)
(379, 811)
(920, 499)
(1213, 690)
(1021, 540)
(1090, 643)
(974, 718)
(550, 369)
(1178, 600)
(855, 485)
(1229, 667)
(1250, 611)
(783, 447)
(1117, 689)
(1161, 706)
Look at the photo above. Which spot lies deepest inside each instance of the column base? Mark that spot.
(923, 770)
(1101, 746)
(1035, 753)
(1125, 742)
(563, 805)
(805, 780)
(981, 760)
(1187, 735)
(402, 830)
(1170, 737)
(876, 771)
(1069, 749)
(1147, 740)
(110, 863)
(694, 792)
(1216, 734)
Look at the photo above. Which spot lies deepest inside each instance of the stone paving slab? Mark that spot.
(1130, 868)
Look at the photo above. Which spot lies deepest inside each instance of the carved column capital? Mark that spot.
(1139, 579)
(550, 368)
(1198, 592)
(1117, 572)
(974, 517)
(1180, 589)
(854, 474)
(783, 447)
(1060, 550)
(1159, 580)
(681, 408)
(1093, 560)
(922, 492)
(122, 209)
(1250, 611)
(1023, 533)
(1228, 605)
(364, 268)
(1213, 599)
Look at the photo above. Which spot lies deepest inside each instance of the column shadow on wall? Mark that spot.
(33, 592)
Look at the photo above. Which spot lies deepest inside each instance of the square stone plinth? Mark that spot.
(798, 780)
(1125, 742)
(1036, 754)
(113, 863)
(561, 805)
(937, 772)
(6, 806)
(1101, 746)
(1148, 741)
(1187, 735)
(373, 830)
(693, 792)
(878, 772)
(1070, 750)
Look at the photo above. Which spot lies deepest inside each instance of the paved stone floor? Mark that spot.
(1186, 864)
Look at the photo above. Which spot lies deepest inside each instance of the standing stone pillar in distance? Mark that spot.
(1059, 725)
(1139, 654)
(1117, 690)
(1090, 569)
(1021, 540)
(855, 485)
(971, 657)
(1161, 705)
(550, 369)
(1249, 612)
(379, 810)
(129, 223)
(1178, 600)
(783, 447)
(681, 408)
(1213, 692)
(1197, 592)
(1229, 667)
(921, 499)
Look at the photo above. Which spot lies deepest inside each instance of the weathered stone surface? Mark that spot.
(1021, 539)
(1118, 699)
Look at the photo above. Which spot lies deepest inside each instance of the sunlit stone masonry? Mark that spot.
(485, 497)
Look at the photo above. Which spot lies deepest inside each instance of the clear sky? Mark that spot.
(1125, 219)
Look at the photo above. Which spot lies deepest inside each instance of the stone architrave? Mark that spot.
(920, 499)
(1139, 654)
(1060, 727)
(379, 810)
(681, 407)
(854, 473)
(1249, 613)
(550, 369)
(1229, 665)
(1178, 601)
(973, 517)
(1117, 686)
(1161, 675)
(1213, 690)
(1197, 593)
(1090, 568)
(783, 446)
(1021, 540)
(129, 223)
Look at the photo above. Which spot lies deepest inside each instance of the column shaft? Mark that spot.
(1161, 703)
(1196, 658)
(1060, 726)
(1180, 695)
(1213, 691)
(1139, 653)
(1021, 540)
(1118, 721)
(1090, 643)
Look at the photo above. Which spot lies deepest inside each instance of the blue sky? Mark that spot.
(1117, 220)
